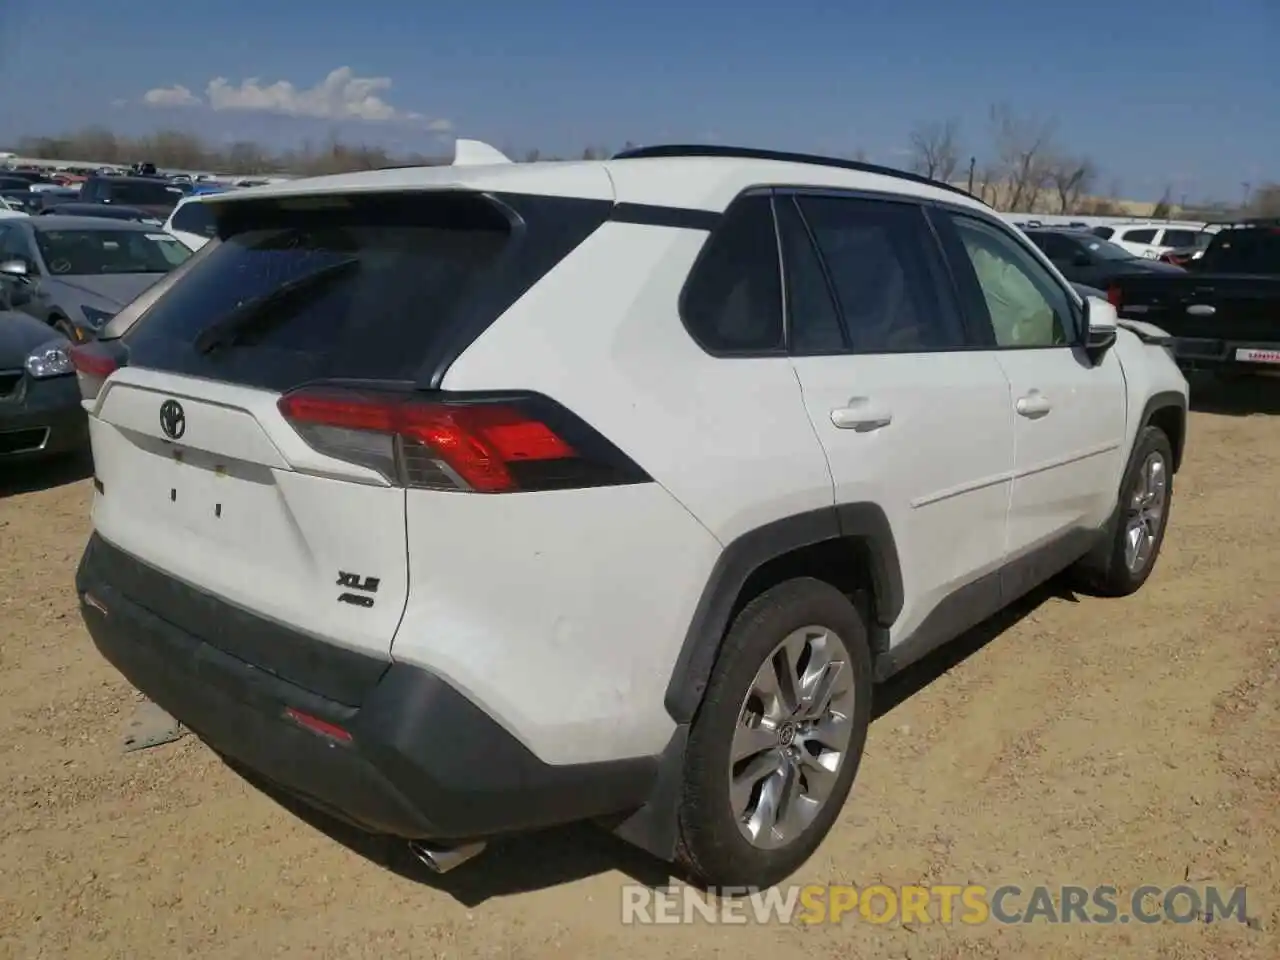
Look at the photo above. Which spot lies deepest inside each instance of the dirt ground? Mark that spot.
(1076, 741)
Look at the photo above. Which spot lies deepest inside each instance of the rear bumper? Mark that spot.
(1197, 353)
(422, 761)
(44, 419)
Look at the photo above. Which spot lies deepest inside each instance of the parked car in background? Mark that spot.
(1223, 311)
(22, 199)
(40, 412)
(1149, 240)
(146, 193)
(192, 223)
(44, 199)
(1082, 257)
(7, 210)
(110, 211)
(26, 176)
(75, 273)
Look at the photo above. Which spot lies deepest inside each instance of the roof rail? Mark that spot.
(780, 156)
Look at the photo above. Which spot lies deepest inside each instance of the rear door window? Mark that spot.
(1138, 236)
(340, 287)
(887, 275)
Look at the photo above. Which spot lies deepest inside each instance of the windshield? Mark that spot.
(82, 252)
(152, 194)
(1101, 249)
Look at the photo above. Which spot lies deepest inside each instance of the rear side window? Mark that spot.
(1106, 233)
(1055, 246)
(1138, 236)
(887, 273)
(360, 287)
(732, 302)
(194, 218)
(1178, 238)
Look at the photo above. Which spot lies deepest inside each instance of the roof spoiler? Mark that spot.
(476, 153)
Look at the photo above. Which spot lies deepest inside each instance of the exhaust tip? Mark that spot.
(439, 859)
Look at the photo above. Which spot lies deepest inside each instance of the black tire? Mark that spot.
(1105, 573)
(712, 848)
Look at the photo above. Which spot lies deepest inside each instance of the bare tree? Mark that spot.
(935, 149)
(1266, 201)
(1071, 178)
(1023, 147)
(1163, 209)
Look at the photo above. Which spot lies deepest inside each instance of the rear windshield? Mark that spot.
(92, 252)
(194, 217)
(1245, 250)
(368, 283)
(149, 194)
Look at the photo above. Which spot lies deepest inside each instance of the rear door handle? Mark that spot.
(1201, 310)
(861, 415)
(1034, 405)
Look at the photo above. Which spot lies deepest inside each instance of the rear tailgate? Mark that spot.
(238, 506)
(204, 479)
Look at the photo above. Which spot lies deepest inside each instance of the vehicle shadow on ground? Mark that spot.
(563, 855)
(1236, 398)
(19, 478)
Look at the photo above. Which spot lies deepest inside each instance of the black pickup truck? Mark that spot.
(1223, 313)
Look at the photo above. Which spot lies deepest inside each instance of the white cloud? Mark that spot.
(175, 96)
(339, 96)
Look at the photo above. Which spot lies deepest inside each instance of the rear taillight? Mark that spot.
(94, 362)
(484, 445)
(1113, 296)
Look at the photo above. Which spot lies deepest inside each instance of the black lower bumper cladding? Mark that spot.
(414, 758)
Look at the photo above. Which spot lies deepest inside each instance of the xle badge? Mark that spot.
(353, 581)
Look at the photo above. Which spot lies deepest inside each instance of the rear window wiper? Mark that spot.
(258, 312)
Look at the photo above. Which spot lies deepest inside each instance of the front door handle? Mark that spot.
(1034, 405)
(861, 415)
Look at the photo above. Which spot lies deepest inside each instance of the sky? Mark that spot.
(1162, 94)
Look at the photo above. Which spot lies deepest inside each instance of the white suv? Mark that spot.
(469, 500)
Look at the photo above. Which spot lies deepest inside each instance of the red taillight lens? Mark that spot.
(485, 446)
(1113, 296)
(322, 727)
(91, 360)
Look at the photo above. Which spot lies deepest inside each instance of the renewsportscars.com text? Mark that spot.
(969, 904)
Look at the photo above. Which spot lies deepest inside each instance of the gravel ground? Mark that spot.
(1075, 741)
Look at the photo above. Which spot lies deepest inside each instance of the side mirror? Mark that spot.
(1099, 329)
(15, 270)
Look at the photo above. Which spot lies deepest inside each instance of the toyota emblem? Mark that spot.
(173, 419)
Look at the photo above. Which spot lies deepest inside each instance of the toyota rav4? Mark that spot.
(470, 500)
